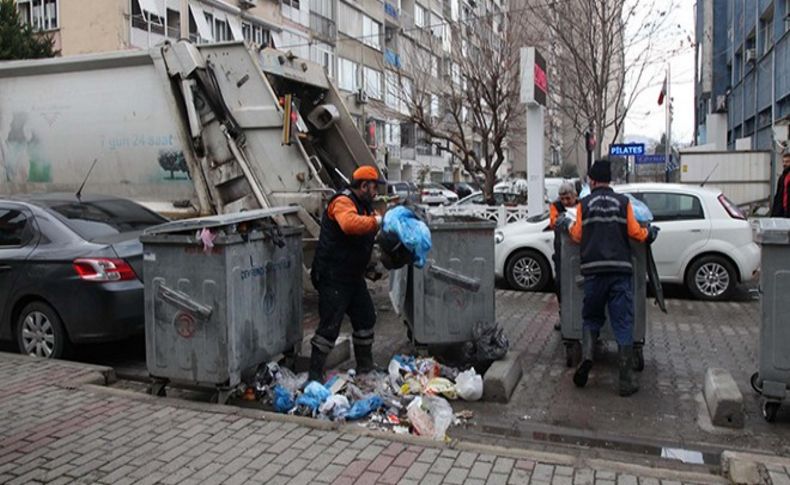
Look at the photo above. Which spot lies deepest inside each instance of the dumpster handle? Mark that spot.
(444, 274)
(183, 301)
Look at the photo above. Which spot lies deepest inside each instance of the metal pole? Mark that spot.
(668, 139)
(772, 177)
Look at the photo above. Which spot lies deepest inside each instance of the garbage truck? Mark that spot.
(181, 128)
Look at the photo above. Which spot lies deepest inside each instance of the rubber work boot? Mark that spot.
(363, 354)
(588, 347)
(628, 384)
(317, 363)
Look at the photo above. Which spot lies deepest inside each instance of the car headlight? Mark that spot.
(499, 237)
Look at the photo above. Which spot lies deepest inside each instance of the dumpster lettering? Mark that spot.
(259, 271)
(199, 250)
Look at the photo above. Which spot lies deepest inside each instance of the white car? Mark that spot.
(705, 242)
(438, 194)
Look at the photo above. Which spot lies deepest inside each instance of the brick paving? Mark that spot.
(55, 430)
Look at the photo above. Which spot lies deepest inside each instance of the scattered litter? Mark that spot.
(207, 238)
(411, 397)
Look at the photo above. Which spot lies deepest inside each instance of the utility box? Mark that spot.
(773, 377)
(442, 302)
(222, 294)
(572, 288)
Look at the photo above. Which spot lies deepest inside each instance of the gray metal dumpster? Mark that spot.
(211, 314)
(442, 302)
(572, 288)
(773, 377)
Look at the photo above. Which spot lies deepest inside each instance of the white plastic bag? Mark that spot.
(430, 416)
(469, 385)
(335, 407)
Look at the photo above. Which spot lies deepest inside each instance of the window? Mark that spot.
(145, 20)
(436, 25)
(40, 14)
(323, 54)
(673, 207)
(371, 32)
(434, 66)
(393, 96)
(173, 24)
(434, 105)
(322, 8)
(221, 30)
(256, 34)
(346, 74)
(294, 4)
(372, 82)
(766, 35)
(420, 15)
(392, 134)
(14, 228)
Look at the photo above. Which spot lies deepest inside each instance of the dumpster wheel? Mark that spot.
(573, 350)
(770, 410)
(158, 388)
(755, 382)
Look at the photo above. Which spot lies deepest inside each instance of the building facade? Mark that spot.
(742, 74)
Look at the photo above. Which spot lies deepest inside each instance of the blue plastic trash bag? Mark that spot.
(283, 400)
(412, 232)
(641, 211)
(313, 396)
(364, 407)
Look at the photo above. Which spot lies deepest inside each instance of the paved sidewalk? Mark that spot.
(57, 427)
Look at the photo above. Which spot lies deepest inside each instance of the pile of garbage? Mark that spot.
(412, 397)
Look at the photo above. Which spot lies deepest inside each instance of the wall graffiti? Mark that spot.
(23, 152)
(173, 161)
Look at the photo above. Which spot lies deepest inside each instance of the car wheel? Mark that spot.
(528, 270)
(40, 332)
(711, 278)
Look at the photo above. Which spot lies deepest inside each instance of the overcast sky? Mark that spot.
(646, 118)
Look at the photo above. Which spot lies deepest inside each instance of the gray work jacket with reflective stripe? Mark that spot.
(605, 247)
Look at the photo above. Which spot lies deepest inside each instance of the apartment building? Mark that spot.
(742, 74)
(360, 43)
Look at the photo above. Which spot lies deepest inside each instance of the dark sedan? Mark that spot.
(70, 270)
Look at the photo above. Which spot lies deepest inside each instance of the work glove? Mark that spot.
(563, 223)
(652, 233)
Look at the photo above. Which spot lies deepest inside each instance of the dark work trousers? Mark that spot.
(615, 290)
(335, 300)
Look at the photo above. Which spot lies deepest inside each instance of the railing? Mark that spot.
(502, 215)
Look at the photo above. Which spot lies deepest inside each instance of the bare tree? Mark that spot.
(460, 85)
(603, 52)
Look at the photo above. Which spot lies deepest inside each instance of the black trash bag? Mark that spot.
(490, 342)
(394, 254)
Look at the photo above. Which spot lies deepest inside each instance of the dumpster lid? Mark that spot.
(772, 231)
(218, 220)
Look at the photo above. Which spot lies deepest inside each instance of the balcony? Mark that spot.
(323, 28)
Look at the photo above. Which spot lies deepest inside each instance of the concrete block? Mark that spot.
(724, 399)
(340, 354)
(743, 472)
(501, 378)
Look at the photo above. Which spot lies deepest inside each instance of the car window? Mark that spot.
(15, 228)
(672, 207)
(473, 199)
(92, 220)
